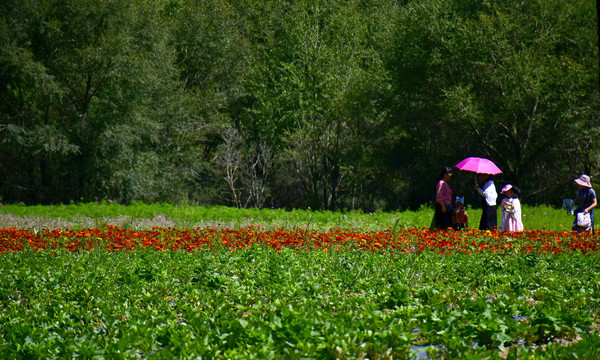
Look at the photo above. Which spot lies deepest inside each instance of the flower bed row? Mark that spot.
(111, 238)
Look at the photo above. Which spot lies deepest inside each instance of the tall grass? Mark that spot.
(139, 215)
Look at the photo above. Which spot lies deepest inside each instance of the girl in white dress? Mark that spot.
(511, 210)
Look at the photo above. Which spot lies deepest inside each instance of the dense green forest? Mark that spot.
(326, 104)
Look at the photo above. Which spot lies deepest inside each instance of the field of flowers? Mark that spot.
(296, 293)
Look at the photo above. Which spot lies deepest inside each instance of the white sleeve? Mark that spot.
(489, 192)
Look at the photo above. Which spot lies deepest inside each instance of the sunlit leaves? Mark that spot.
(263, 302)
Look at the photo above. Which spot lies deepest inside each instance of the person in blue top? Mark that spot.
(586, 201)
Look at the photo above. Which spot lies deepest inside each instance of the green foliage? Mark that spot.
(346, 104)
(82, 215)
(484, 79)
(258, 303)
(314, 89)
(99, 132)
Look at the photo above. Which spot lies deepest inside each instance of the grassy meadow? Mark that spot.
(143, 216)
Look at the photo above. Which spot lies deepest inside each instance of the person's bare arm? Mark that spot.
(589, 208)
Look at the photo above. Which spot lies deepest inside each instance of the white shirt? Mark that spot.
(489, 192)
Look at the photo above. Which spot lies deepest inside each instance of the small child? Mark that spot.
(460, 219)
(511, 210)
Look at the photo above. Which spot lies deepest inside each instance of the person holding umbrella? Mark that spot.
(489, 213)
(486, 169)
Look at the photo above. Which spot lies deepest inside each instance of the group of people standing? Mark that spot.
(451, 214)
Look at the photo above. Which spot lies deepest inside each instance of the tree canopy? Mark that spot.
(322, 104)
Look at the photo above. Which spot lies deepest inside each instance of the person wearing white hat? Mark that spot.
(586, 201)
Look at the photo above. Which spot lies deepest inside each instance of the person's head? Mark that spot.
(445, 173)
(459, 203)
(583, 181)
(486, 177)
(508, 190)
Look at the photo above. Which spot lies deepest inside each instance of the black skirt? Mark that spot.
(443, 220)
(489, 216)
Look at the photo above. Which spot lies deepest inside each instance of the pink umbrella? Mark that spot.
(478, 165)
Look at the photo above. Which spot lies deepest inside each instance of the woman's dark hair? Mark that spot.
(516, 192)
(445, 170)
